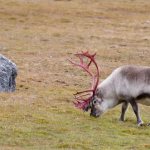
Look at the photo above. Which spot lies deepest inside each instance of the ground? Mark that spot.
(39, 36)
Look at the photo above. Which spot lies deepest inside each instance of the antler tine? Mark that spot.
(76, 96)
(82, 65)
(82, 102)
(92, 59)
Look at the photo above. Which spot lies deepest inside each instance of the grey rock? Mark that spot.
(8, 74)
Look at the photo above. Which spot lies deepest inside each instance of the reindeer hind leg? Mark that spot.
(136, 111)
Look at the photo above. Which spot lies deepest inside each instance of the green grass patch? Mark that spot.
(64, 127)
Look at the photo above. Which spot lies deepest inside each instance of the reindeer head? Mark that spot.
(86, 99)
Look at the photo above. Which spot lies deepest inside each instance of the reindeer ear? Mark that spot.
(99, 93)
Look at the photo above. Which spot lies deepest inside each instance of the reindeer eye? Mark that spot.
(94, 102)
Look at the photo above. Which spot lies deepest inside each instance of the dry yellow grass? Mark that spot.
(39, 35)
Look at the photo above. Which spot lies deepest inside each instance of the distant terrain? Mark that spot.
(39, 36)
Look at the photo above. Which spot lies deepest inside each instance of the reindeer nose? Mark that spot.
(93, 114)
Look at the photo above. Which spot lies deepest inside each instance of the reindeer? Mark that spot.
(125, 85)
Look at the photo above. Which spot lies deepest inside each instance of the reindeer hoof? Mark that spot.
(121, 119)
(141, 123)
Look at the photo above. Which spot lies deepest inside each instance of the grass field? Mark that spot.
(39, 36)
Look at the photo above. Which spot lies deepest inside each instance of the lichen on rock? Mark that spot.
(8, 73)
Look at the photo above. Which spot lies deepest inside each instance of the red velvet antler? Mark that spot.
(81, 101)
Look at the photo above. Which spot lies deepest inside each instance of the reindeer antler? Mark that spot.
(82, 102)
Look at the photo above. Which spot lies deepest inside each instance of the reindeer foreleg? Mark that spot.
(123, 110)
